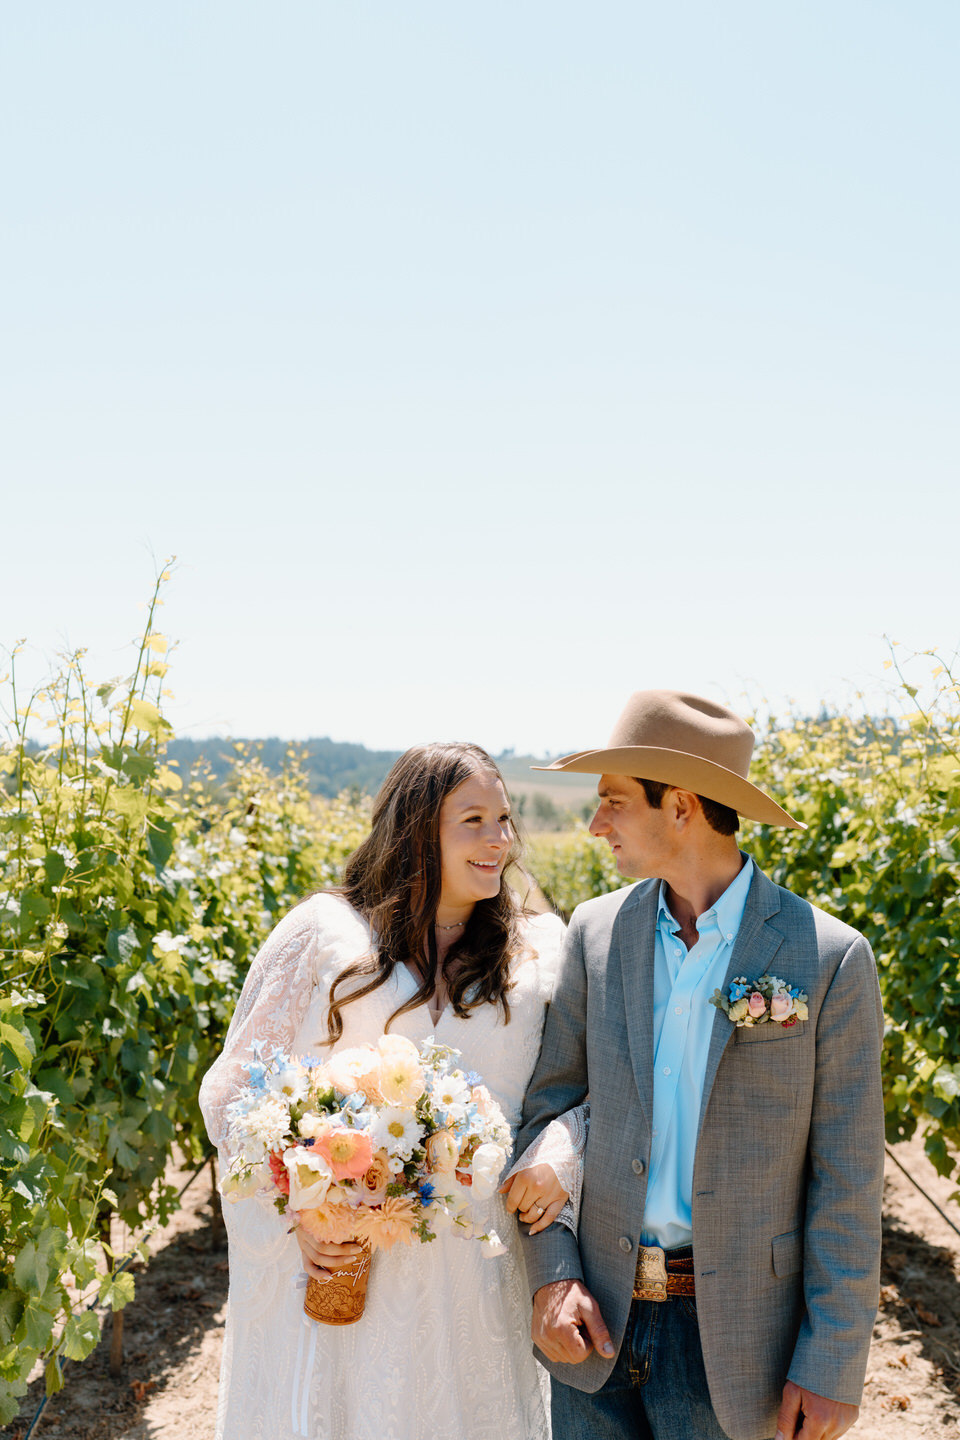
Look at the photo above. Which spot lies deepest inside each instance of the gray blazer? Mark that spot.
(788, 1174)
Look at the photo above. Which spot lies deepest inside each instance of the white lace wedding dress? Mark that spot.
(443, 1349)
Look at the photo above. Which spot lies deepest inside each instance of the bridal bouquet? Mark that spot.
(379, 1144)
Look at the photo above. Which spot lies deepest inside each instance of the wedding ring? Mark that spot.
(539, 1209)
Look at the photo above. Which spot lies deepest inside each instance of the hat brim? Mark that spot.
(687, 772)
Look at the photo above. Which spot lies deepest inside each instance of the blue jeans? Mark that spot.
(656, 1391)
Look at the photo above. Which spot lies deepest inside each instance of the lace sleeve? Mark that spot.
(272, 1003)
(561, 1146)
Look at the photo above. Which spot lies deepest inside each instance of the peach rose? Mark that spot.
(756, 1005)
(374, 1181)
(781, 1007)
(443, 1152)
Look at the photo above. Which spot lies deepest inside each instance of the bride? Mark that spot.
(421, 939)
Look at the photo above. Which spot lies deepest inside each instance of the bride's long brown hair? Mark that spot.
(393, 879)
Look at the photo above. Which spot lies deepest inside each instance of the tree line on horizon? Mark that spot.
(329, 766)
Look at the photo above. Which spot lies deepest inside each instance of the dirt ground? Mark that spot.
(173, 1332)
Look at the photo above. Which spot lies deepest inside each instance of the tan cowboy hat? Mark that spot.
(686, 741)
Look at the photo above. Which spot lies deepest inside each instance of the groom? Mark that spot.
(724, 1278)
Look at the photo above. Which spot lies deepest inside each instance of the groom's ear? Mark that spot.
(681, 806)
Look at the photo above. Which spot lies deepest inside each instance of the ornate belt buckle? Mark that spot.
(651, 1278)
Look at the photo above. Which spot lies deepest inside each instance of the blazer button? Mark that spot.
(638, 1167)
(625, 1244)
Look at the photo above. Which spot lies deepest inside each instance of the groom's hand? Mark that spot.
(562, 1311)
(822, 1419)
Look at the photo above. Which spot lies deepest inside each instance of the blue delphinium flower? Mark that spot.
(475, 1121)
(426, 1191)
(238, 1108)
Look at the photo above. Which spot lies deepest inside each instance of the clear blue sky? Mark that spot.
(481, 363)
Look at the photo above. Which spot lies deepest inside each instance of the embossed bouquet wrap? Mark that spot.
(379, 1145)
(340, 1300)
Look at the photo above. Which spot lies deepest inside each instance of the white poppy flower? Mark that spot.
(310, 1177)
(401, 1075)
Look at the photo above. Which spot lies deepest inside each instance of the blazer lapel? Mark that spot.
(756, 944)
(636, 928)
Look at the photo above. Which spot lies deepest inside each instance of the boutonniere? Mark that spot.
(754, 1002)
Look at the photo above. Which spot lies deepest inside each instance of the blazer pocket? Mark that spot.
(759, 1034)
(787, 1253)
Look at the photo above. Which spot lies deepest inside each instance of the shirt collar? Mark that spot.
(726, 913)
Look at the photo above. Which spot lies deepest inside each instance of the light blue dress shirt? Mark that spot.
(683, 982)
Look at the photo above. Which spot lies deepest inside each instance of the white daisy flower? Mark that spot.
(449, 1090)
(396, 1131)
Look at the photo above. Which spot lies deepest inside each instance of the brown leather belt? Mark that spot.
(659, 1276)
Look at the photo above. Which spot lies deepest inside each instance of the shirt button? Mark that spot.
(666, 1069)
(638, 1167)
(678, 1010)
(729, 937)
(680, 952)
(625, 1244)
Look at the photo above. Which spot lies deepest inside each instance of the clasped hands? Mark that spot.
(535, 1196)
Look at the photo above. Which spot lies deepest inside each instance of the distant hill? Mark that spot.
(330, 765)
(543, 802)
